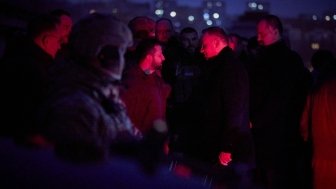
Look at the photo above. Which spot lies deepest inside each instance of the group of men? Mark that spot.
(238, 119)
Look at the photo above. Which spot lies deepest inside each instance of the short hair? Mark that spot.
(188, 30)
(145, 47)
(216, 31)
(138, 26)
(42, 24)
(60, 12)
(165, 19)
(273, 21)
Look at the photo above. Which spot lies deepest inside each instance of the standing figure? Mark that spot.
(83, 115)
(318, 123)
(219, 133)
(146, 93)
(279, 84)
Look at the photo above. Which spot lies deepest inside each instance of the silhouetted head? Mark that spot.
(164, 30)
(213, 40)
(189, 39)
(44, 32)
(142, 27)
(64, 23)
(269, 30)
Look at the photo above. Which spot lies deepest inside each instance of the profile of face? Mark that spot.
(51, 42)
(266, 34)
(64, 27)
(209, 46)
(189, 41)
(157, 57)
(164, 30)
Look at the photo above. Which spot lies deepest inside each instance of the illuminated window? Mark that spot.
(315, 46)
(92, 11)
(260, 7)
(209, 22)
(191, 18)
(314, 17)
(206, 16)
(252, 5)
(159, 12)
(172, 14)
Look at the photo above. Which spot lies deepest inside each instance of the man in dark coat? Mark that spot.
(219, 113)
(279, 82)
(25, 76)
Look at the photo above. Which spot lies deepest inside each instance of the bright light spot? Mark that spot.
(314, 17)
(206, 16)
(315, 46)
(191, 18)
(172, 14)
(215, 15)
(334, 17)
(260, 7)
(327, 18)
(92, 11)
(209, 22)
(159, 12)
(253, 5)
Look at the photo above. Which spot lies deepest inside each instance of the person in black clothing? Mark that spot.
(26, 65)
(219, 121)
(279, 84)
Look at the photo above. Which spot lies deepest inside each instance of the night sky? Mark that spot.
(287, 8)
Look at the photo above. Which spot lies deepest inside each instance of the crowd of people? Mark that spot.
(101, 103)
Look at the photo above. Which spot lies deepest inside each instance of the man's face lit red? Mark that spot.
(158, 57)
(208, 48)
(52, 43)
(266, 34)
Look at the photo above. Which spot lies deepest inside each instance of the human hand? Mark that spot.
(224, 158)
